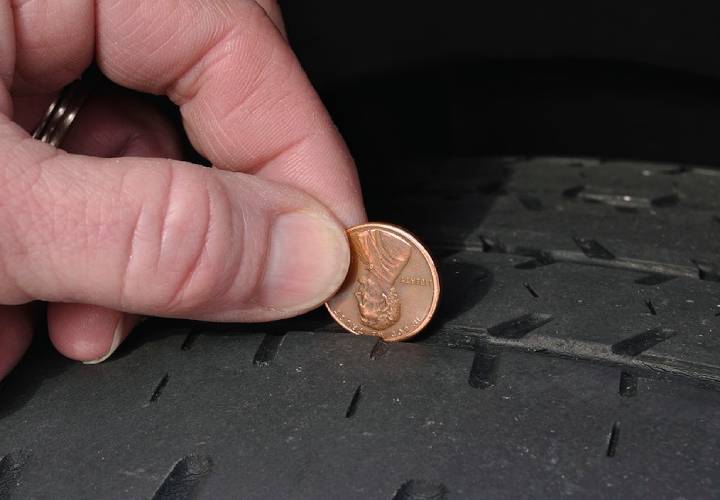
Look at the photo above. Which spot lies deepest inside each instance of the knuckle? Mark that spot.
(189, 281)
(187, 253)
(247, 37)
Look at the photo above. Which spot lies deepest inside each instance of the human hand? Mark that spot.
(104, 241)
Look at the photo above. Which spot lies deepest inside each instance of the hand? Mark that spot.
(258, 237)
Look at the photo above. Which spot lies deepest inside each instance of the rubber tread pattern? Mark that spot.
(548, 372)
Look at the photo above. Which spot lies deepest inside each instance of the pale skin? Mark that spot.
(118, 227)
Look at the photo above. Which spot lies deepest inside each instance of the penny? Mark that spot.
(392, 287)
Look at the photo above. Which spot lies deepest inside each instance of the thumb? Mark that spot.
(160, 237)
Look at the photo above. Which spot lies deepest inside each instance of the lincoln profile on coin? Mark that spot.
(383, 256)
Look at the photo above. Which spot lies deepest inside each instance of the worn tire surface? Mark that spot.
(575, 353)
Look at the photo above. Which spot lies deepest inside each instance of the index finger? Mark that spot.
(246, 103)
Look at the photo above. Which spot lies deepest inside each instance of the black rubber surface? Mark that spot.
(575, 354)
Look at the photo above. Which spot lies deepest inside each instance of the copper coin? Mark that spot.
(392, 287)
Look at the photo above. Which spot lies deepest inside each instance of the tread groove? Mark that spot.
(613, 438)
(654, 279)
(641, 342)
(483, 372)
(189, 340)
(699, 374)
(593, 249)
(421, 490)
(379, 349)
(539, 261)
(352, 407)
(184, 479)
(530, 289)
(160, 388)
(268, 349)
(530, 202)
(573, 192)
(491, 245)
(707, 271)
(628, 384)
(679, 170)
(668, 200)
(651, 307)
(519, 327)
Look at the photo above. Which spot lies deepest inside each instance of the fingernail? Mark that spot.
(121, 330)
(307, 261)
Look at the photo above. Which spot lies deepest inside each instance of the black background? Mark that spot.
(636, 80)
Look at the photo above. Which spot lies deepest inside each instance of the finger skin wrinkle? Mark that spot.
(22, 189)
(125, 291)
(156, 37)
(239, 224)
(266, 94)
(255, 98)
(23, 183)
(149, 205)
(169, 48)
(279, 156)
(181, 245)
(281, 97)
(67, 223)
(250, 225)
(188, 90)
(243, 45)
(231, 263)
(237, 93)
(265, 99)
(226, 264)
(128, 25)
(166, 204)
(201, 253)
(273, 11)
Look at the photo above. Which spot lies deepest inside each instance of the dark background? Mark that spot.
(635, 80)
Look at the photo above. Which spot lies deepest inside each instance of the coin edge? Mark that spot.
(433, 271)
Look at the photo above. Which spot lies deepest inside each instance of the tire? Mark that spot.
(575, 353)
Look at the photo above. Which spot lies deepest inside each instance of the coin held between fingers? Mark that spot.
(392, 287)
